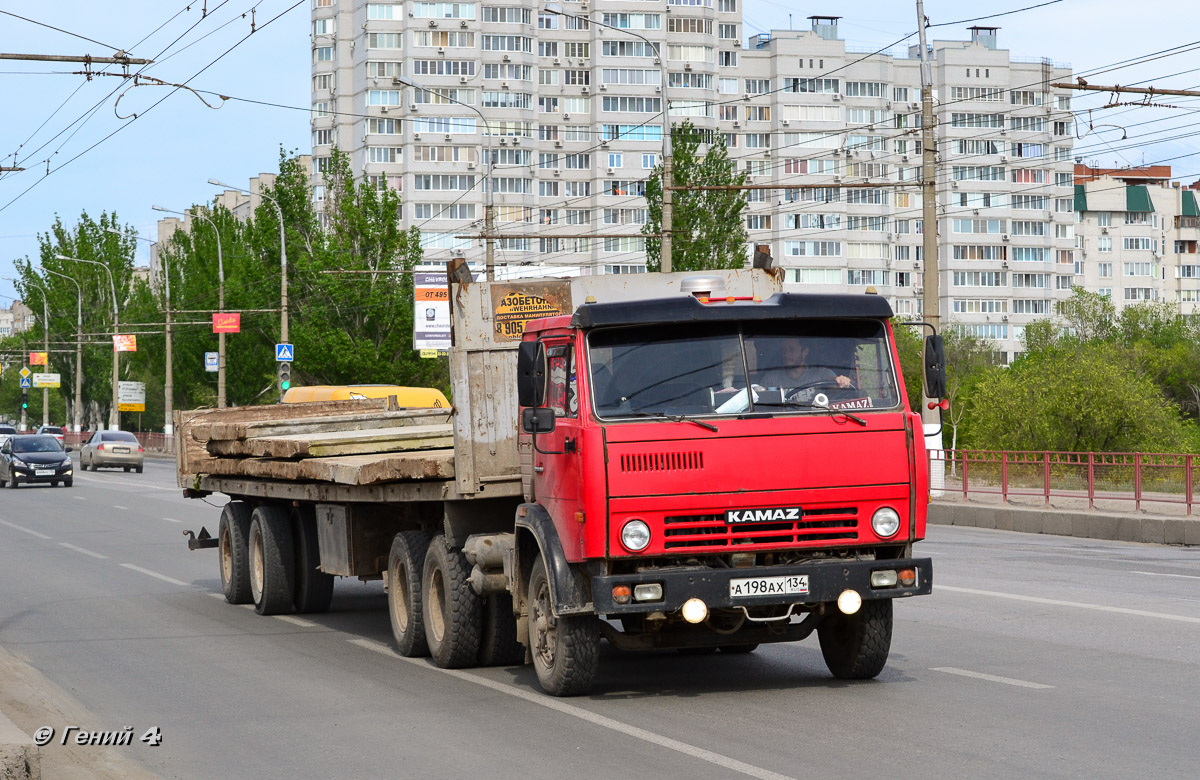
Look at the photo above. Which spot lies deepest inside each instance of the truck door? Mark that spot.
(556, 476)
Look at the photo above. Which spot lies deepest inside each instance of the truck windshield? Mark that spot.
(698, 369)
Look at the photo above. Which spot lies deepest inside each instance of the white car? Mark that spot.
(6, 433)
(52, 430)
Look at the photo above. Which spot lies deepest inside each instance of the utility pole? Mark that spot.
(78, 348)
(931, 299)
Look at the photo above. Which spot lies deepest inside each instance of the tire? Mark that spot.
(451, 610)
(272, 561)
(739, 649)
(68, 482)
(498, 645)
(314, 588)
(566, 650)
(856, 646)
(138, 469)
(126, 469)
(406, 565)
(12, 481)
(233, 545)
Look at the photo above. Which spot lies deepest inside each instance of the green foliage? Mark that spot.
(909, 342)
(708, 230)
(1090, 316)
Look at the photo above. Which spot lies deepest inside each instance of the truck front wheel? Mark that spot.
(272, 561)
(566, 649)
(405, 564)
(233, 539)
(450, 608)
(856, 646)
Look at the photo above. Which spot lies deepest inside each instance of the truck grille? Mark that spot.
(711, 531)
(662, 461)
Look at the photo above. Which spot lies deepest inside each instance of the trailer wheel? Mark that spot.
(314, 588)
(856, 646)
(450, 608)
(498, 645)
(406, 563)
(272, 561)
(566, 649)
(233, 541)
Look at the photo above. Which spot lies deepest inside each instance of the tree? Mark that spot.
(969, 361)
(708, 231)
(1090, 316)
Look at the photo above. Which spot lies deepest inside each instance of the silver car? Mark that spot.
(112, 449)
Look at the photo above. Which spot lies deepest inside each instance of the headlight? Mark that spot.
(885, 522)
(635, 535)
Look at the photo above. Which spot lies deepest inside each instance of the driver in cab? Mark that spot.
(794, 376)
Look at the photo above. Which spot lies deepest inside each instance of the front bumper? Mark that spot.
(826, 581)
(29, 474)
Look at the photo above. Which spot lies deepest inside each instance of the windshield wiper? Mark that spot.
(820, 407)
(675, 418)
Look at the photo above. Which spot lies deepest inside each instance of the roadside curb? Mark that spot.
(20, 759)
(1149, 529)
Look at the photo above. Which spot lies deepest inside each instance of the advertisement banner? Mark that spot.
(38, 359)
(131, 396)
(516, 303)
(227, 322)
(124, 342)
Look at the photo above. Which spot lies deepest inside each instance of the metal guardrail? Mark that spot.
(1140, 477)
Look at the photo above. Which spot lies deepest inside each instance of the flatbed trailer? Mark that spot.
(507, 528)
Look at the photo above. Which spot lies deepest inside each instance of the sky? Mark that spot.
(101, 159)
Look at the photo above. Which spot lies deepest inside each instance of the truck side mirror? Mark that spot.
(531, 374)
(935, 366)
(538, 419)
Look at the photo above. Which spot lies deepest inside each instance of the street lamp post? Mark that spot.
(489, 204)
(220, 300)
(114, 414)
(668, 178)
(46, 334)
(169, 379)
(283, 290)
(78, 349)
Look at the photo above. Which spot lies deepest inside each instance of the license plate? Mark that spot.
(120, 449)
(769, 586)
(43, 472)
(779, 514)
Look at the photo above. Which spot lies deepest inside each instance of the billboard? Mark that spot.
(38, 359)
(227, 322)
(124, 342)
(131, 396)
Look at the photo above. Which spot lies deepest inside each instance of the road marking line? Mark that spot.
(115, 480)
(989, 677)
(558, 705)
(218, 596)
(26, 530)
(70, 546)
(115, 506)
(1161, 574)
(295, 621)
(79, 498)
(1076, 604)
(154, 574)
(172, 520)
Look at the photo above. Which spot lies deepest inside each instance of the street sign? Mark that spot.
(25, 372)
(47, 380)
(284, 353)
(131, 397)
(26, 382)
(210, 361)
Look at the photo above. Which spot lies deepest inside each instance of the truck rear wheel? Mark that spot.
(450, 608)
(233, 541)
(856, 646)
(314, 588)
(272, 561)
(566, 649)
(406, 562)
(498, 645)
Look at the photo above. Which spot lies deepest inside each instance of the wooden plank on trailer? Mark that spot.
(413, 437)
(376, 468)
(342, 422)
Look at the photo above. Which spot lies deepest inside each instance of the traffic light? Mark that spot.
(285, 376)
(24, 399)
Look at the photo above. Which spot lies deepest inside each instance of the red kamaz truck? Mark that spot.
(698, 463)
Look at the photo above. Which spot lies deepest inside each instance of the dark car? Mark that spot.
(35, 458)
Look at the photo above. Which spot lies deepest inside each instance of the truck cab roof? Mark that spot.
(781, 306)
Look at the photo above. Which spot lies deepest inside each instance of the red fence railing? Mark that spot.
(151, 442)
(1139, 477)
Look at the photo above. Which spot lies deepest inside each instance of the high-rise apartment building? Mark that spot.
(571, 111)
(1137, 236)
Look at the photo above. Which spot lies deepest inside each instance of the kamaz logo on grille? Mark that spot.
(776, 515)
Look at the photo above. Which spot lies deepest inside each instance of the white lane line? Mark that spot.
(115, 506)
(23, 528)
(295, 621)
(989, 677)
(1075, 604)
(70, 546)
(154, 574)
(1161, 574)
(117, 481)
(79, 498)
(560, 706)
(172, 520)
(220, 596)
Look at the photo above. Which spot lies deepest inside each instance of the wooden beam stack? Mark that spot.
(358, 442)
